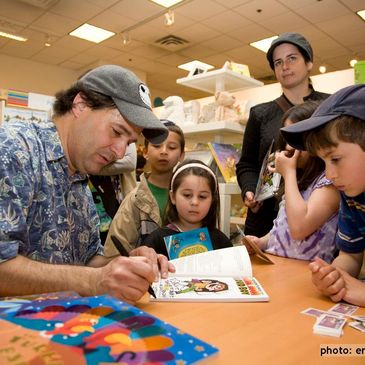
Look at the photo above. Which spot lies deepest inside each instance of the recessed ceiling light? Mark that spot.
(189, 66)
(322, 69)
(91, 33)
(264, 44)
(361, 13)
(13, 36)
(166, 3)
(353, 62)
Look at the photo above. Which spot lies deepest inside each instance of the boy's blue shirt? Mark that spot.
(351, 224)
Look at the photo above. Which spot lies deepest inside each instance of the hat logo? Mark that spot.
(144, 93)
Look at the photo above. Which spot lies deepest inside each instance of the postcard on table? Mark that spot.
(223, 275)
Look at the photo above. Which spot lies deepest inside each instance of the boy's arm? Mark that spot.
(349, 262)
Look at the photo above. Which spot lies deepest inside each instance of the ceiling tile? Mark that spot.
(79, 10)
(222, 43)
(56, 24)
(112, 21)
(20, 12)
(226, 21)
(197, 52)
(199, 10)
(284, 23)
(197, 33)
(138, 10)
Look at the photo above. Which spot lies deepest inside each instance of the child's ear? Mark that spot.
(182, 156)
(172, 197)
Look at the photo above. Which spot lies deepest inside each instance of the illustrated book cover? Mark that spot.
(223, 275)
(269, 182)
(93, 330)
(188, 243)
(256, 249)
(226, 157)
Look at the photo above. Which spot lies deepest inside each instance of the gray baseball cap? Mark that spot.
(347, 101)
(292, 38)
(131, 97)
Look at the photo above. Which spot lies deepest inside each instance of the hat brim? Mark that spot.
(294, 133)
(153, 130)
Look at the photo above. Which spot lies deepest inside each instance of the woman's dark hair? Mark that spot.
(65, 98)
(171, 214)
(314, 165)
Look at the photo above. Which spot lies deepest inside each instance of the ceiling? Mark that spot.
(216, 31)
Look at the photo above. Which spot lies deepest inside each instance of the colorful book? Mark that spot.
(93, 330)
(269, 182)
(188, 243)
(223, 275)
(226, 157)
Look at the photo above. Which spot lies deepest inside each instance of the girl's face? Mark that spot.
(193, 199)
(303, 156)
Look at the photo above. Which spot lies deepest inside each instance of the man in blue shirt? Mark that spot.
(49, 228)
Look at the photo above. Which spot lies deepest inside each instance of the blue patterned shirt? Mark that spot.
(45, 214)
(351, 224)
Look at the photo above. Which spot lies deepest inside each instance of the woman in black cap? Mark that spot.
(291, 57)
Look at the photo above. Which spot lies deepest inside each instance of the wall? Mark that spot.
(29, 76)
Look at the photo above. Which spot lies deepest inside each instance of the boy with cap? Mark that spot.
(291, 58)
(336, 133)
(49, 234)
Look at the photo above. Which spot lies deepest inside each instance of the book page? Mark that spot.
(231, 261)
(209, 289)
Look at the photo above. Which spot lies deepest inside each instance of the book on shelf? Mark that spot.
(226, 157)
(188, 243)
(223, 275)
(93, 330)
(255, 249)
(269, 182)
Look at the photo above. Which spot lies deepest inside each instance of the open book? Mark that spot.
(269, 182)
(223, 275)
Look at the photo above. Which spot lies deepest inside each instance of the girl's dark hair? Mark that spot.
(212, 218)
(65, 98)
(344, 128)
(172, 127)
(314, 165)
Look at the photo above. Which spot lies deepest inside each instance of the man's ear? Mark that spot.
(78, 105)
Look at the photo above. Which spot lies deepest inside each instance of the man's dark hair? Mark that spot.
(65, 98)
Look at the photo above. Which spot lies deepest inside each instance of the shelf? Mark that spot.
(219, 80)
(229, 189)
(221, 131)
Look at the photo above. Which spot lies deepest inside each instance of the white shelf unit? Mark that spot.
(220, 131)
(219, 80)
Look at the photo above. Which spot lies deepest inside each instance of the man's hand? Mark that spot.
(250, 202)
(328, 279)
(126, 278)
(160, 263)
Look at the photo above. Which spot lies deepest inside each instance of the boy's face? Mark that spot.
(345, 167)
(163, 157)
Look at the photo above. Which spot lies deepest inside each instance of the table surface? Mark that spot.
(265, 333)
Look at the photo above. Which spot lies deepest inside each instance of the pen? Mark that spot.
(123, 252)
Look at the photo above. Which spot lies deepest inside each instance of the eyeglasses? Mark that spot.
(290, 60)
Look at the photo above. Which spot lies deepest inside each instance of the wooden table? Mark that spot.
(265, 333)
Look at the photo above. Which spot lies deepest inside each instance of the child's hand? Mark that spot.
(328, 279)
(285, 161)
(355, 290)
(256, 240)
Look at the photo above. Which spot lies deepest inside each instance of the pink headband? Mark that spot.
(193, 164)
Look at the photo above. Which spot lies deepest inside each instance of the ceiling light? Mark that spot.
(322, 69)
(353, 62)
(91, 33)
(126, 38)
(47, 42)
(13, 36)
(264, 44)
(189, 66)
(166, 3)
(169, 18)
(361, 14)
